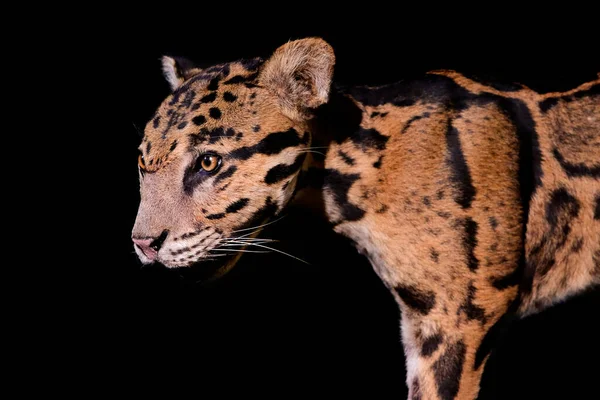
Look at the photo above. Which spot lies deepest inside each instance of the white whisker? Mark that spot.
(239, 250)
(278, 251)
(259, 226)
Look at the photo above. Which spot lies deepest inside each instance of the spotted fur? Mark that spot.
(475, 203)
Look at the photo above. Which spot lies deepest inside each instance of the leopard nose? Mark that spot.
(150, 246)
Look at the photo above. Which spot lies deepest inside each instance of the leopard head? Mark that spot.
(222, 154)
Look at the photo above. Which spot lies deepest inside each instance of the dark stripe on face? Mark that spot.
(576, 170)
(237, 206)
(459, 170)
(275, 143)
(338, 184)
(597, 209)
(282, 171)
(225, 174)
(215, 216)
(448, 370)
(260, 216)
(417, 300)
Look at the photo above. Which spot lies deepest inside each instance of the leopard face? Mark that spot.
(222, 154)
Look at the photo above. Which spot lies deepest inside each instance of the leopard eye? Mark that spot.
(141, 162)
(209, 162)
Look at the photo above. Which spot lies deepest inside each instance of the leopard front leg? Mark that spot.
(447, 344)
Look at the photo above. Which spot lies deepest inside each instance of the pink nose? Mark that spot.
(145, 245)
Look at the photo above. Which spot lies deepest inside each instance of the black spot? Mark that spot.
(448, 370)
(427, 201)
(173, 146)
(369, 139)
(237, 206)
(374, 114)
(440, 194)
(214, 83)
(562, 205)
(377, 164)
(597, 208)
(384, 114)
(549, 103)
(256, 128)
(239, 136)
(225, 174)
(199, 120)
(347, 159)
(382, 209)
(282, 171)
(444, 214)
(253, 96)
(493, 222)
(470, 241)
(416, 390)
(215, 216)
(577, 245)
(490, 340)
(419, 301)
(229, 97)
(576, 170)
(209, 98)
(195, 106)
(156, 122)
(459, 170)
(431, 344)
(413, 119)
(182, 125)
(214, 113)
(435, 256)
(240, 79)
(212, 135)
(472, 311)
(148, 147)
(339, 184)
(272, 144)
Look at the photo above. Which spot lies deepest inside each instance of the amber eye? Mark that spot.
(141, 162)
(210, 162)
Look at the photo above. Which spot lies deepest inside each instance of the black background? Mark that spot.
(275, 326)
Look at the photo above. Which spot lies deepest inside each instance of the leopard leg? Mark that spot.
(446, 350)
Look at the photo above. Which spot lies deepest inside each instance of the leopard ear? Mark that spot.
(299, 73)
(177, 70)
